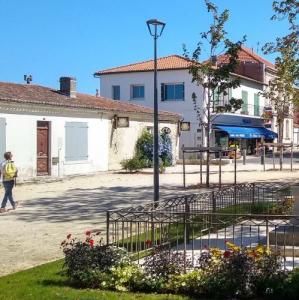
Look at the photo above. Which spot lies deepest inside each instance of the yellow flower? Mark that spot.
(216, 252)
(232, 247)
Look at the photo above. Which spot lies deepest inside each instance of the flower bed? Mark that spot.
(234, 273)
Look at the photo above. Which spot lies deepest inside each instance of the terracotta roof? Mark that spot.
(177, 62)
(246, 54)
(35, 94)
(172, 62)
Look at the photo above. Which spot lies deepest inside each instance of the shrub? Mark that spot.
(88, 263)
(145, 147)
(123, 278)
(133, 164)
(232, 274)
(191, 283)
(231, 279)
(164, 263)
(240, 272)
(284, 207)
(292, 286)
(267, 276)
(166, 150)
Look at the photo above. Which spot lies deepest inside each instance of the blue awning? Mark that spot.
(247, 132)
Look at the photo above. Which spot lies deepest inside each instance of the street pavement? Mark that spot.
(31, 235)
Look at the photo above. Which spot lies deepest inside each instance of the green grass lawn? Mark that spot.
(47, 282)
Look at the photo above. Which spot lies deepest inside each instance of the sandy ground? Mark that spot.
(31, 235)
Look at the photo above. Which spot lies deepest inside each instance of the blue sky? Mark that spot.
(53, 38)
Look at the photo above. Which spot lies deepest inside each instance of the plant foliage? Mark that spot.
(144, 148)
(282, 90)
(235, 273)
(215, 78)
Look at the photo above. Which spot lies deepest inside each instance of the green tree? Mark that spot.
(282, 90)
(215, 79)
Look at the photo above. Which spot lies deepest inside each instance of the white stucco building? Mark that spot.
(61, 132)
(134, 84)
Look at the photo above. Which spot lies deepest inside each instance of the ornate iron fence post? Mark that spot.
(187, 222)
(107, 226)
(220, 157)
(253, 193)
(213, 202)
(267, 234)
(184, 168)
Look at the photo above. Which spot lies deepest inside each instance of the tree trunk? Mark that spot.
(208, 140)
(280, 140)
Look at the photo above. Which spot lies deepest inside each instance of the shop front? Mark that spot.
(243, 132)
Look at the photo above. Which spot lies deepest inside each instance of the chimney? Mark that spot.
(214, 60)
(68, 86)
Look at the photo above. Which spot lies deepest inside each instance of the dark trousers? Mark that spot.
(8, 186)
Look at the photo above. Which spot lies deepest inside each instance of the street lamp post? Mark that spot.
(155, 28)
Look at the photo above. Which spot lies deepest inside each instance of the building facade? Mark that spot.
(61, 132)
(134, 84)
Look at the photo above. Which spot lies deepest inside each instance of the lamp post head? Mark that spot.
(155, 27)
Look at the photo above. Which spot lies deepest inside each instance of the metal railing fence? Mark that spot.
(245, 214)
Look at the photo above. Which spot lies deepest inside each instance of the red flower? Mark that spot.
(91, 243)
(226, 254)
(88, 232)
(148, 243)
(69, 236)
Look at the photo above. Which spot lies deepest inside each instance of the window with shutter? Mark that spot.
(2, 135)
(230, 93)
(137, 92)
(172, 91)
(116, 92)
(216, 97)
(162, 92)
(287, 129)
(76, 141)
(245, 102)
(256, 105)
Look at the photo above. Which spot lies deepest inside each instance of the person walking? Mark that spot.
(9, 173)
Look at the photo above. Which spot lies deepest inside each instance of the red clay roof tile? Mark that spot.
(246, 54)
(176, 62)
(164, 63)
(35, 94)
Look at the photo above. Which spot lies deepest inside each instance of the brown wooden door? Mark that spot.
(43, 148)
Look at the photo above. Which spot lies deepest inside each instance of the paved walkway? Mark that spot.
(31, 235)
(245, 234)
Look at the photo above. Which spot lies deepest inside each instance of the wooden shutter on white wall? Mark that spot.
(76, 141)
(2, 136)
